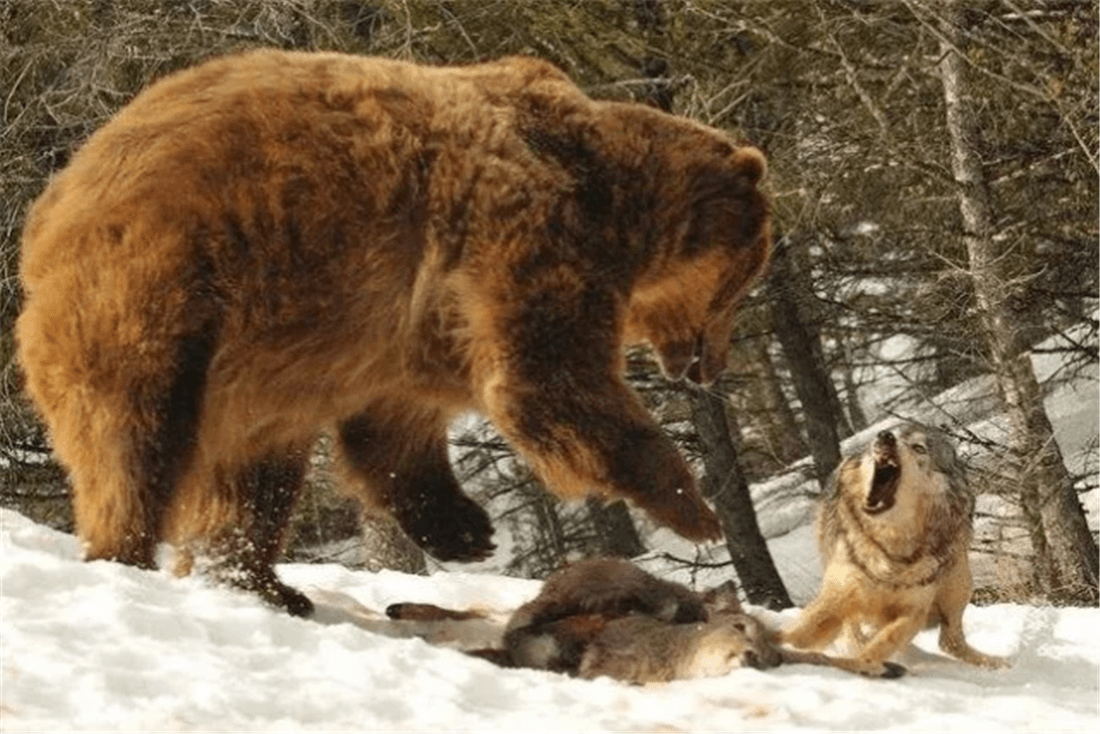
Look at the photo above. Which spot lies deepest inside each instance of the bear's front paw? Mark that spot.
(687, 514)
(454, 528)
(662, 484)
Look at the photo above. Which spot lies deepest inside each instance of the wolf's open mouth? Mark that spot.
(884, 482)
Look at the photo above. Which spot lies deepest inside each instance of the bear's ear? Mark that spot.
(732, 171)
(750, 162)
(745, 160)
(725, 202)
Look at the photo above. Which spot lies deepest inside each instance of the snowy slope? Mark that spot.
(102, 646)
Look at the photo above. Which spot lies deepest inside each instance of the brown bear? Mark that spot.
(275, 244)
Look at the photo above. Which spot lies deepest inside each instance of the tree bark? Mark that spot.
(802, 348)
(615, 532)
(724, 483)
(1066, 554)
(783, 437)
(551, 532)
(385, 546)
(857, 419)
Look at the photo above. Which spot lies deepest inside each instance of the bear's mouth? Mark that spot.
(683, 359)
(887, 474)
(695, 369)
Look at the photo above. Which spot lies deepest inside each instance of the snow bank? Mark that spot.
(102, 646)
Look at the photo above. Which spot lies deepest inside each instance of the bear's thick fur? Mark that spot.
(274, 244)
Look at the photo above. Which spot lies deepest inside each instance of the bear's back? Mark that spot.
(199, 140)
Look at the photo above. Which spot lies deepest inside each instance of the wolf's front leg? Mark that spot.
(892, 638)
(816, 627)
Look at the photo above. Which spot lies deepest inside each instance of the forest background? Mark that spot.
(934, 176)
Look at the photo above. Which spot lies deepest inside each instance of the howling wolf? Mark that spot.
(894, 533)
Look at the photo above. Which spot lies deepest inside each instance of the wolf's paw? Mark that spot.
(892, 670)
(990, 661)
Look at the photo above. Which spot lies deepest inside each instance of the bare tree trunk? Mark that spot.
(780, 427)
(856, 417)
(551, 532)
(723, 481)
(385, 546)
(802, 348)
(1066, 553)
(726, 486)
(615, 531)
(541, 542)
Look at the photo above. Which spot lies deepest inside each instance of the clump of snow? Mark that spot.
(103, 646)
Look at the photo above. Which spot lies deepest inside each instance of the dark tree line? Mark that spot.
(934, 176)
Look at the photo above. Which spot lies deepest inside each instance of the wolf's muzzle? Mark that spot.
(884, 481)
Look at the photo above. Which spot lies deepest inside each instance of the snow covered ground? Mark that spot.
(103, 646)
(100, 646)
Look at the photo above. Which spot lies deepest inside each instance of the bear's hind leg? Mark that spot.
(126, 445)
(117, 505)
(397, 460)
(241, 527)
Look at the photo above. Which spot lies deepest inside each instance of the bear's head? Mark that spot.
(716, 242)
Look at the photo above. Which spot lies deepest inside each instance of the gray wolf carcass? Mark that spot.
(607, 617)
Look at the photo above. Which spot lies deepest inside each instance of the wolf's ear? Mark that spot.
(942, 450)
(722, 599)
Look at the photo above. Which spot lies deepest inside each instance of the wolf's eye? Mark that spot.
(920, 448)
